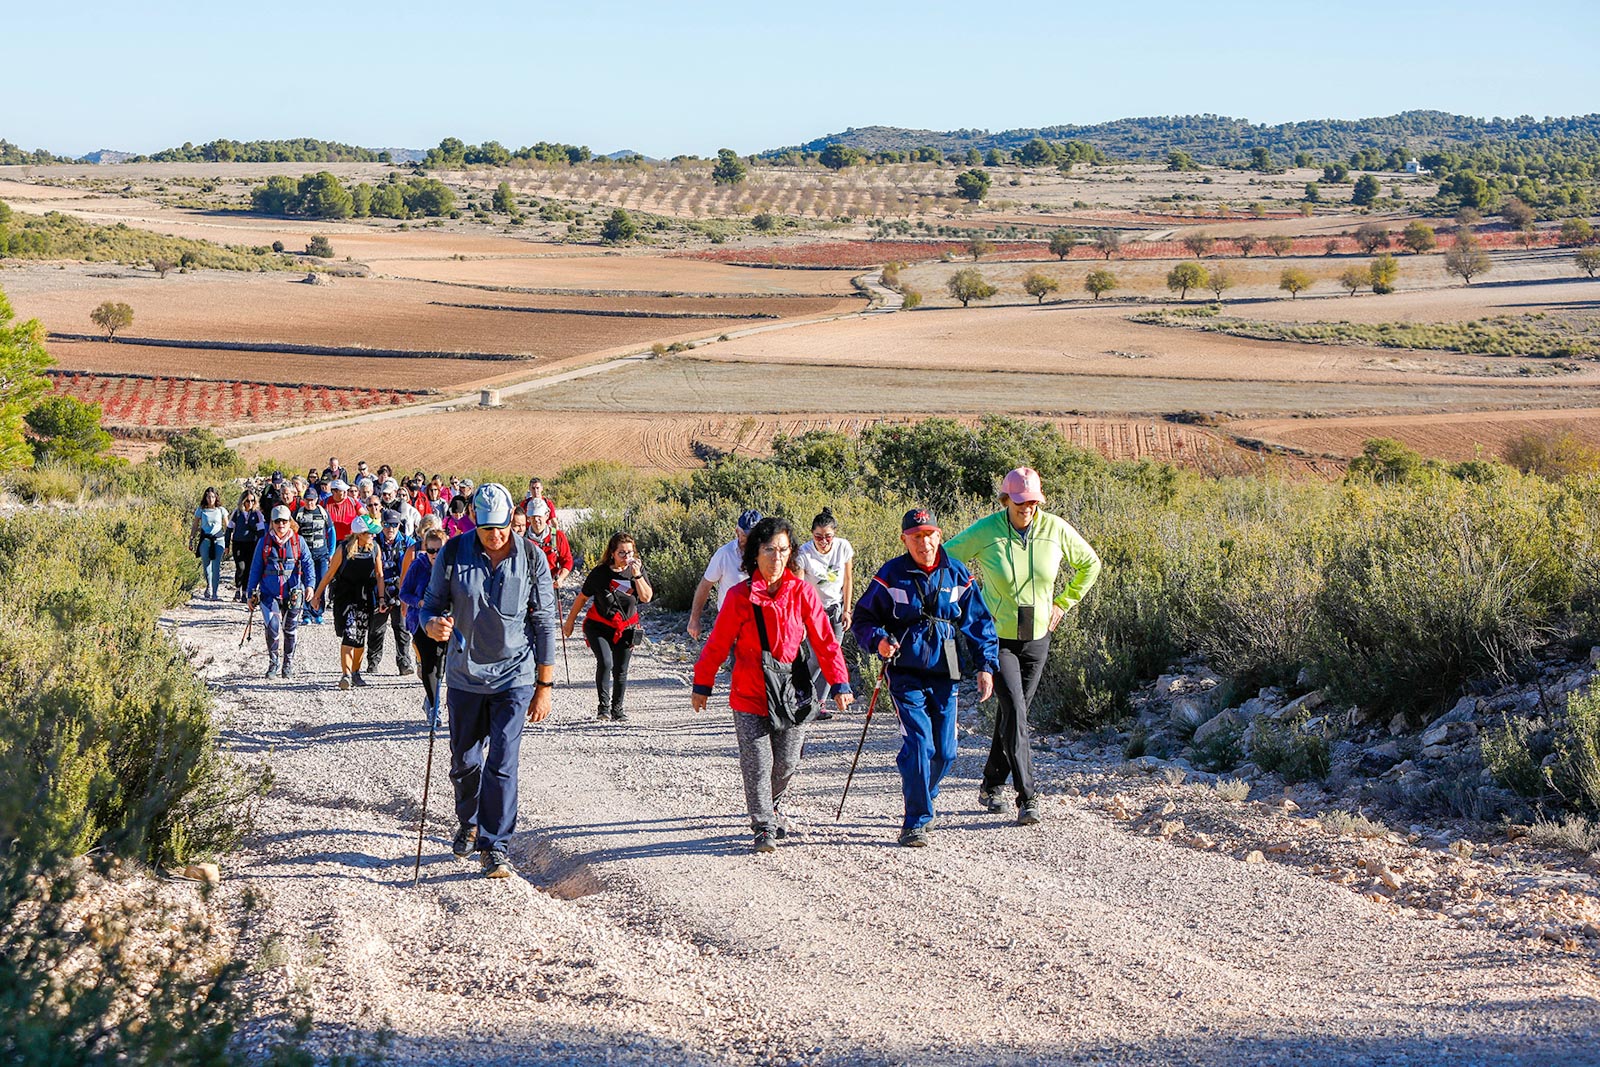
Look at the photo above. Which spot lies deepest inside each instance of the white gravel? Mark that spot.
(646, 932)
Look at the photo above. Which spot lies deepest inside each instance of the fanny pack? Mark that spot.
(779, 679)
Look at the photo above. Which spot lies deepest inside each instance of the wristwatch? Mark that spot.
(544, 685)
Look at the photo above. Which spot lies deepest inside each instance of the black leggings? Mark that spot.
(430, 665)
(1011, 753)
(610, 666)
(242, 552)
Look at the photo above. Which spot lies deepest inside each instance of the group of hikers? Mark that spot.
(479, 588)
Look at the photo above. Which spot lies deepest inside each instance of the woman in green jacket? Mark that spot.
(1019, 553)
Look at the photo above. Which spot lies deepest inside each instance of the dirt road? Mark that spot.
(646, 932)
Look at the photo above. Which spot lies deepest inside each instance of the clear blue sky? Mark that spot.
(665, 78)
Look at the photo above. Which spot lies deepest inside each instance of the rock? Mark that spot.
(1227, 720)
(1170, 827)
(1463, 711)
(1280, 847)
(1255, 856)
(209, 873)
(1388, 750)
(1437, 752)
(1397, 725)
(1186, 711)
(1594, 656)
(1448, 733)
(1304, 702)
(1169, 683)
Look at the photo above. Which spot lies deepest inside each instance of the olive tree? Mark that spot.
(1062, 242)
(1039, 285)
(1185, 276)
(1466, 259)
(1098, 282)
(112, 316)
(1294, 281)
(967, 285)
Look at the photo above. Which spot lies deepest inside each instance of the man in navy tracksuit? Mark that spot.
(912, 613)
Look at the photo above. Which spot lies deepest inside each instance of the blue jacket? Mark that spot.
(921, 611)
(505, 616)
(393, 554)
(414, 587)
(277, 568)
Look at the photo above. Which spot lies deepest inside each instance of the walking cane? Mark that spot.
(249, 621)
(565, 662)
(427, 780)
(873, 703)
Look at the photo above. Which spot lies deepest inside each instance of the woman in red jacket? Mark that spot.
(777, 599)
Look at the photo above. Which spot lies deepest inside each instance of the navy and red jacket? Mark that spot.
(919, 611)
(793, 613)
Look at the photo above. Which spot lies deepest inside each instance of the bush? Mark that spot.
(1575, 773)
(1286, 750)
(1509, 756)
(320, 247)
(199, 449)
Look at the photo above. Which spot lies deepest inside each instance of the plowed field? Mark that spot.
(618, 271)
(1450, 437)
(140, 403)
(475, 440)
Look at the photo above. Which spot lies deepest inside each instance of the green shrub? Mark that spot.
(1575, 774)
(1220, 751)
(1508, 754)
(198, 449)
(1284, 749)
(47, 483)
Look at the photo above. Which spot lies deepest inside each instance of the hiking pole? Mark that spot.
(249, 621)
(565, 662)
(882, 674)
(427, 780)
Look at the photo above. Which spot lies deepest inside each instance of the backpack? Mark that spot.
(292, 548)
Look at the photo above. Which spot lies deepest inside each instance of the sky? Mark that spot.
(667, 78)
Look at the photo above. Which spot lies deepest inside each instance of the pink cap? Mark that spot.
(1022, 486)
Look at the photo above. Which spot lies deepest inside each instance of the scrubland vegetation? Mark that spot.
(59, 236)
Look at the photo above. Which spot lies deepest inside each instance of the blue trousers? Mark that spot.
(211, 553)
(926, 707)
(485, 744)
(277, 619)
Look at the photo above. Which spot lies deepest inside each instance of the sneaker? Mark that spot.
(288, 666)
(765, 842)
(344, 680)
(916, 837)
(272, 665)
(993, 800)
(1028, 813)
(405, 670)
(357, 680)
(496, 864)
(618, 715)
(466, 837)
(603, 715)
(823, 716)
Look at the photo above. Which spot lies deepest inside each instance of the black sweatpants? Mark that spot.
(394, 622)
(1011, 752)
(610, 665)
(430, 665)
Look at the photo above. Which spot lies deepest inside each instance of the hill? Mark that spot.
(1219, 139)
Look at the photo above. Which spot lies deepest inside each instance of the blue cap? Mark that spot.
(491, 505)
(748, 520)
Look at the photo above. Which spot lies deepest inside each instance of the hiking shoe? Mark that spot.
(496, 864)
(916, 837)
(272, 665)
(288, 666)
(823, 716)
(357, 680)
(405, 670)
(466, 838)
(618, 715)
(993, 800)
(603, 715)
(765, 842)
(344, 680)
(1028, 813)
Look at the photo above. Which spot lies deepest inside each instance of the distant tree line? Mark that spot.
(454, 152)
(295, 150)
(323, 196)
(13, 156)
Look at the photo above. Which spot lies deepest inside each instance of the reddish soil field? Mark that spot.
(370, 313)
(1453, 437)
(138, 403)
(390, 373)
(477, 440)
(616, 271)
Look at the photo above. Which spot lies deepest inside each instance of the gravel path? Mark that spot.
(646, 932)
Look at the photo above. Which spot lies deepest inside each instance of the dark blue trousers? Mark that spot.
(485, 743)
(926, 709)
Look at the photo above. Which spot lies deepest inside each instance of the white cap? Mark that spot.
(492, 505)
(281, 512)
(339, 483)
(389, 486)
(539, 508)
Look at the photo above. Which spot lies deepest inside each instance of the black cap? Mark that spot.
(391, 517)
(916, 519)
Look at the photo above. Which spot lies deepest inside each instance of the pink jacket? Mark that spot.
(794, 613)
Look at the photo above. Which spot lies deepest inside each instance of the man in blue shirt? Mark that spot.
(914, 610)
(491, 600)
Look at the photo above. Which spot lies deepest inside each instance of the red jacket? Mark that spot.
(795, 613)
(557, 550)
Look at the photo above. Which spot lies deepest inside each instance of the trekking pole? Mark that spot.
(873, 703)
(249, 621)
(427, 780)
(565, 662)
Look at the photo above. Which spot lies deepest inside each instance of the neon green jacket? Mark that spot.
(1016, 574)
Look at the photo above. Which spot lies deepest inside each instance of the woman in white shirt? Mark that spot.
(207, 534)
(827, 561)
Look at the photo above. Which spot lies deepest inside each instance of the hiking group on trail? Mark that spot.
(467, 584)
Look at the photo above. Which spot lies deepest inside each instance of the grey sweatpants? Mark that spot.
(769, 760)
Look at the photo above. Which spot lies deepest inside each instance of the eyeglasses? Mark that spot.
(431, 551)
(822, 538)
(280, 522)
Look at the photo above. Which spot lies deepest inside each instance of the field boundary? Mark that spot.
(78, 372)
(287, 349)
(667, 294)
(618, 313)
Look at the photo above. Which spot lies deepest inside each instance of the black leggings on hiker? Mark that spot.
(610, 665)
(1011, 752)
(430, 665)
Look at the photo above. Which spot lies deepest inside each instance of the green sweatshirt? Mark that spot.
(1016, 574)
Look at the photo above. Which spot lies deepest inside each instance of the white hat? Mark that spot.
(492, 506)
(540, 508)
(339, 483)
(389, 486)
(281, 512)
